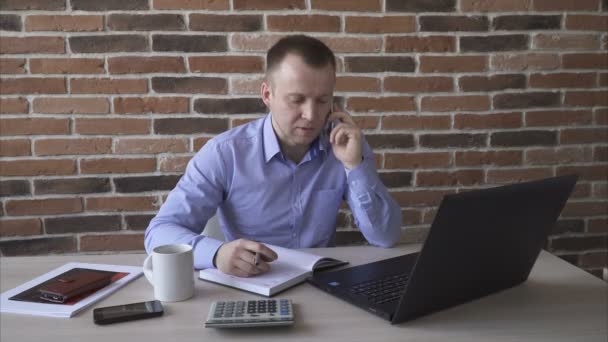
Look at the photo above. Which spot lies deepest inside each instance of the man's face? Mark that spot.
(300, 98)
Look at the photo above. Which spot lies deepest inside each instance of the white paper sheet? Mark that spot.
(62, 310)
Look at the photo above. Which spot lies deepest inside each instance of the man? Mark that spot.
(279, 179)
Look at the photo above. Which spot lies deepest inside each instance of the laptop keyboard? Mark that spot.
(382, 290)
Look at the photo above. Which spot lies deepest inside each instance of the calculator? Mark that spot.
(250, 313)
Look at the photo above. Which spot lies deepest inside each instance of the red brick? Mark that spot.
(502, 176)
(357, 84)
(585, 172)
(416, 122)
(34, 126)
(146, 65)
(351, 45)
(451, 178)
(420, 44)
(417, 160)
(115, 242)
(269, 4)
(453, 63)
(453, 103)
(599, 225)
(366, 122)
(558, 156)
(558, 118)
(585, 209)
(420, 198)
(12, 65)
(586, 98)
(51, 147)
(226, 64)
(20, 227)
(38, 167)
(65, 23)
(492, 83)
(569, 41)
(214, 5)
(199, 142)
(14, 105)
(252, 42)
(174, 163)
(495, 158)
(525, 61)
(603, 79)
(562, 80)
(601, 116)
(565, 5)
(146, 105)
(147, 146)
(411, 217)
(112, 126)
(381, 104)
(117, 165)
(494, 5)
(246, 86)
(586, 22)
(417, 84)
(600, 153)
(48, 206)
(585, 61)
(347, 6)
(583, 136)
(23, 45)
(485, 121)
(594, 259)
(32, 86)
(73, 105)
(108, 86)
(600, 190)
(581, 190)
(15, 148)
(378, 25)
(303, 23)
(119, 203)
(67, 66)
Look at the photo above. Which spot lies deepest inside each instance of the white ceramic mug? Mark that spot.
(173, 274)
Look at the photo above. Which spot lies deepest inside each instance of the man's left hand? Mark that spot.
(346, 138)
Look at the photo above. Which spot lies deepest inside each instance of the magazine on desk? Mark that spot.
(291, 268)
(27, 298)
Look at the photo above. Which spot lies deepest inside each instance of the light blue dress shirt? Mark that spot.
(260, 195)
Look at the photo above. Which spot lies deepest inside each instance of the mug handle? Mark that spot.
(148, 269)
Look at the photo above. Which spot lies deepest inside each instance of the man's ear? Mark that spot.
(265, 92)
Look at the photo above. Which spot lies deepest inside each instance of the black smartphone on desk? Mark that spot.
(127, 312)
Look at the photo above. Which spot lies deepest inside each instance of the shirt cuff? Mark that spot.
(205, 251)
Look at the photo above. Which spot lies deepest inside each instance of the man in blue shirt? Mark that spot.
(280, 179)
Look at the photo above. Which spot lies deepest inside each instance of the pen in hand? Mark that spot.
(256, 258)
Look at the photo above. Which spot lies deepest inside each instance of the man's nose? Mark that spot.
(308, 111)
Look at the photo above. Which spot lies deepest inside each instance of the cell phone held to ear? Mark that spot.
(127, 312)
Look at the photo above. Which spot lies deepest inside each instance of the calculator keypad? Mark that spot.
(251, 313)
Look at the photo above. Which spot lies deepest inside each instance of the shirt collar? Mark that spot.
(272, 147)
(271, 143)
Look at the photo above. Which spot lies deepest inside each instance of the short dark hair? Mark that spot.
(313, 51)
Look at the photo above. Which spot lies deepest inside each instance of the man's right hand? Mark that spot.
(238, 258)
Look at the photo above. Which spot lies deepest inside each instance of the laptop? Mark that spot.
(480, 242)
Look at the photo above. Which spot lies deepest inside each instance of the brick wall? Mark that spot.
(104, 102)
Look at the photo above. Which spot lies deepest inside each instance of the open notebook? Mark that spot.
(291, 268)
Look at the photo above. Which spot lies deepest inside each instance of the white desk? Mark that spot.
(558, 303)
